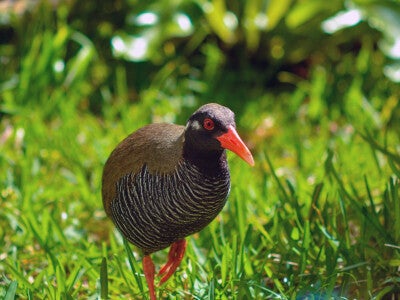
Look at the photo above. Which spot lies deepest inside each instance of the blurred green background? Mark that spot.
(315, 88)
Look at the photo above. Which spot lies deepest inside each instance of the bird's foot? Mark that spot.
(175, 257)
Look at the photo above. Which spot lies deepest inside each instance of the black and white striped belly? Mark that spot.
(154, 210)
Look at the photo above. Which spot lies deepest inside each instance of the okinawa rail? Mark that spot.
(165, 182)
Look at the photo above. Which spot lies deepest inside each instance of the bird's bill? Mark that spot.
(232, 141)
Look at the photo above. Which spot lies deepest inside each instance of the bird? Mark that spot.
(165, 182)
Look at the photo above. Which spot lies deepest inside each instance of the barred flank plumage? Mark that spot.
(155, 210)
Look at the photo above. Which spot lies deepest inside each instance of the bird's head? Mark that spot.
(212, 128)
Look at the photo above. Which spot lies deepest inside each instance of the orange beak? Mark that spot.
(232, 141)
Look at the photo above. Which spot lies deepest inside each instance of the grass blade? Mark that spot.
(103, 279)
(132, 264)
(275, 176)
(12, 289)
(368, 138)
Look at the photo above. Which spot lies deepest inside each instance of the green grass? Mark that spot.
(318, 217)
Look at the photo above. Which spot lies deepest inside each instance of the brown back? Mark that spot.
(159, 146)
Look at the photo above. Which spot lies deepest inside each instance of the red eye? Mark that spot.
(208, 124)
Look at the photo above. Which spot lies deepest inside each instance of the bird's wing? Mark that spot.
(159, 146)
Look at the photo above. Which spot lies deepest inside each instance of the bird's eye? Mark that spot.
(208, 124)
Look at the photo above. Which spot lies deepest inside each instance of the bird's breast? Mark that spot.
(153, 210)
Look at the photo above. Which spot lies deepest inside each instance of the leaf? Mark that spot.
(276, 11)
(132, 264)
(303, 12)
(103, 279)
(217, 16)
(12, 288)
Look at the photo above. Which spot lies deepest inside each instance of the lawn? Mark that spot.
(318, 217)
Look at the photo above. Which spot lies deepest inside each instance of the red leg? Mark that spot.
(175, 256)
(171, 254)
(149, 270)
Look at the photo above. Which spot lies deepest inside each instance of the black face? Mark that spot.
(207, 123)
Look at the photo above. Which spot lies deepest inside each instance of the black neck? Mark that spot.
(212, 163)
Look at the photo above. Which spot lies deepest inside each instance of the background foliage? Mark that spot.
(314, 85)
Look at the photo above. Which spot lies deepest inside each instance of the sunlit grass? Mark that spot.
(319, 218)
